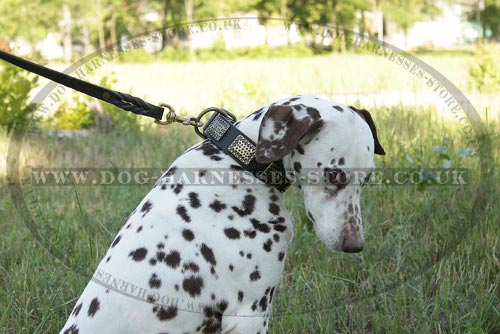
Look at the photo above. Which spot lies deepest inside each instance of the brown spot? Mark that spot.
(73, 329)
(194, 200)
(117, 240)
(208, 148)
(232, 233)
(171, 171)
(297, 166)
(173, 259)
(263, 303)
(217, 206)
(154, 282)
(222, 305)
(188, 234)
(267, 245)
(257, 114)
(192, 267)
(93, 307)
(193, 285)
(255, 276)
(208, 254)
(77, 309)
(250, 233)
(178, 188)
(247, 207)
(139, 254)
(146, 207)
(274, 209)
(279, 227)
(181, 211)
(168, 313)
(261, 227)
(271, 294)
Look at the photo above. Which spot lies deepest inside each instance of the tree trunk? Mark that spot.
(86, 38)
(341, 32)
(378, 20)
(112, 29)
(164, 25)
(405, 34)
(188, 4)
(67, 43)
(266, 34)
(100, 26)
(362, 27)
(283, 17)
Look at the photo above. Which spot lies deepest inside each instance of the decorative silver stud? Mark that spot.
(242, 149)
(217, 128)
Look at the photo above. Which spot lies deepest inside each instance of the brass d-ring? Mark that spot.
(224, 113)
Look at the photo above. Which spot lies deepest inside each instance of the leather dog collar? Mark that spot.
(221, 131)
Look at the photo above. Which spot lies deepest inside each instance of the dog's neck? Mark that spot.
(190, 160)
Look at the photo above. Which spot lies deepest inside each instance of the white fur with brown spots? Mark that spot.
(208, 259)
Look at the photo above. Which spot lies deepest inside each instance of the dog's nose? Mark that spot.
(352, 243)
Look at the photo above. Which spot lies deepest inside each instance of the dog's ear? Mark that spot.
(368, 118)
(281, 129)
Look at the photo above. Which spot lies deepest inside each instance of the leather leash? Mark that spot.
(219, 129)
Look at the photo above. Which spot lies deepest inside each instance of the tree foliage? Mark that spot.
(105, 21)
(404, 13)
(491, 18)
(31, 20)
(15, 87)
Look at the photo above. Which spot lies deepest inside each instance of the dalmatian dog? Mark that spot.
(207, 258)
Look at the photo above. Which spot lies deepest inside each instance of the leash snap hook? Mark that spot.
(171, 117)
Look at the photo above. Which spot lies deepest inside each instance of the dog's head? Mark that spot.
(324, 142)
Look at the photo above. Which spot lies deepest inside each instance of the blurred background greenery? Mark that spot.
(60, 32)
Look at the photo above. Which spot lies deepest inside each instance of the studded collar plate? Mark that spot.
(222, 132)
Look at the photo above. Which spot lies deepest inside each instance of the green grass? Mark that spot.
(244, 84)
(428, 266)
